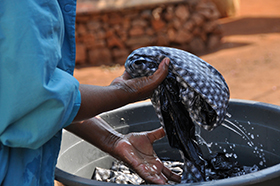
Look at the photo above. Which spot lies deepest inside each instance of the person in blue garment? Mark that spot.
(39, 97)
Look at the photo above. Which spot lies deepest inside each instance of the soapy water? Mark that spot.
(219, 166)
(222, 159)
(245, 134)
(249, 136)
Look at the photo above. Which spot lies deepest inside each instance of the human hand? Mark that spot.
(136, 150)
(123, 90)
(142, 88)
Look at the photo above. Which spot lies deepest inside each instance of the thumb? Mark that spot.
(156, 134)
(162, 70)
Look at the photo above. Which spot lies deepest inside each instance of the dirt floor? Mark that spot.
(248, 56)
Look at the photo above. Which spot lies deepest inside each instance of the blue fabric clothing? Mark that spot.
(38, 94)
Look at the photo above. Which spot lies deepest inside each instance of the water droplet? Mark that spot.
(228, 115)
(202, 141)
(250, 144)
(155, 167)
(122, 120)
(228, 155)
(252, 136)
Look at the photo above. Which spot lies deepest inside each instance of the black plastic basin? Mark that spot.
(259, 121)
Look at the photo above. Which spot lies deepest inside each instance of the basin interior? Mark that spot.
(258, 121)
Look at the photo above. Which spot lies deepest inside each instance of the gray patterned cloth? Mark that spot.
(118, 173)
(192, 93)
(202, 88)
(121, 174)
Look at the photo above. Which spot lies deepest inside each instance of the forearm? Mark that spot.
(97, 132)
(98, 99)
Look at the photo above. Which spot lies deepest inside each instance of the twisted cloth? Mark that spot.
(193, 92)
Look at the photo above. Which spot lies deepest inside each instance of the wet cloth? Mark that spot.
(219, 166)
(193, 93)
(121, 174)
(202, 88)
(38, 94)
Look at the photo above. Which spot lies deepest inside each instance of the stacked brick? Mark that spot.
(107, 37)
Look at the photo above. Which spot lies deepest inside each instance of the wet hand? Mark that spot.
(123, 90)
(136, 150)
(142, 88)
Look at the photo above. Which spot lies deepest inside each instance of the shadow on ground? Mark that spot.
(249, 26)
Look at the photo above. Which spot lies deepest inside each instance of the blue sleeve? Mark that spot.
(37, 99)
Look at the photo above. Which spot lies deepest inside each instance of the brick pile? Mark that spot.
(107, 37)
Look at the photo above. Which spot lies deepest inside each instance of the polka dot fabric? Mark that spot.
(202, 89)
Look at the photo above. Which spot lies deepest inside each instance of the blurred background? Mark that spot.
(241, 38)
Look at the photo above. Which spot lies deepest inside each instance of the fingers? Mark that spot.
(164, 63)
(159, 179)
(163, 178)
(152, 175)
(162, 71)
(156, 134)
(171, 175)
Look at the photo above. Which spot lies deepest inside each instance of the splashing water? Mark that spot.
(241, 131)
(202, 141)
(222, 164)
